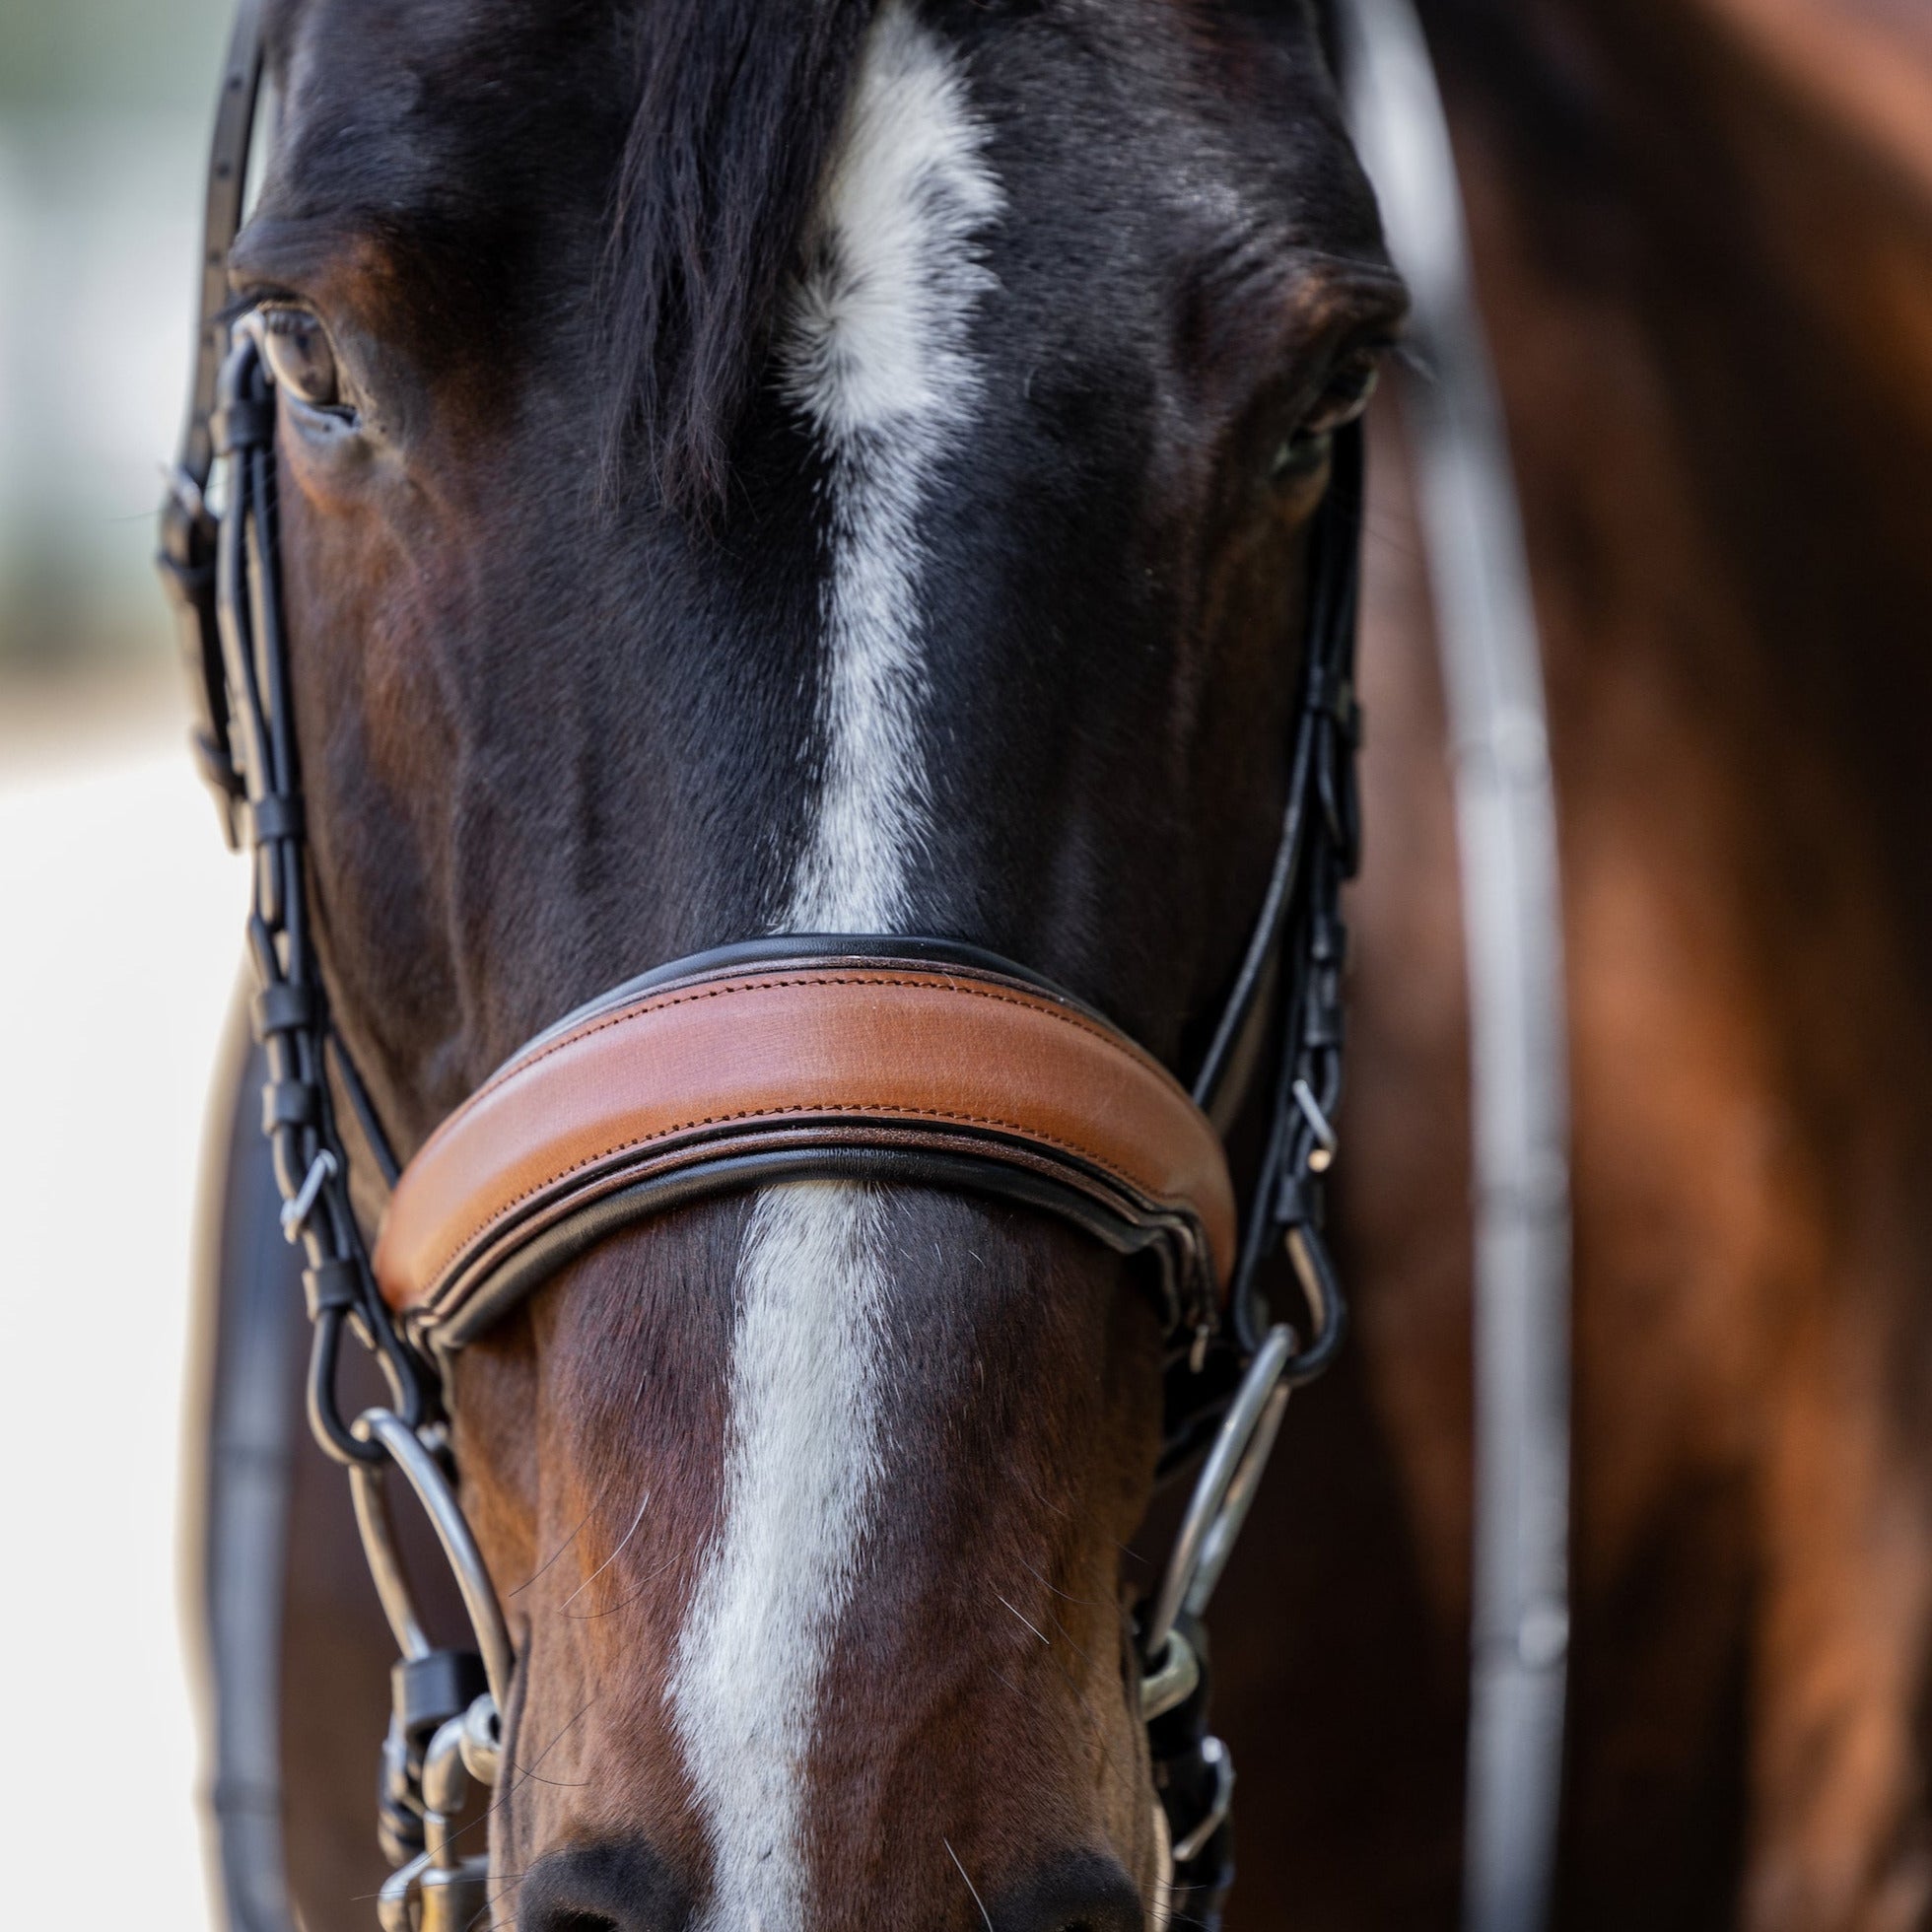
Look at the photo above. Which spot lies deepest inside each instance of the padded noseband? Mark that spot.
(857, 1057)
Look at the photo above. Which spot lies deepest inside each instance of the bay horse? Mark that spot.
(1703, 240)
(741, 474)
(1700, 231)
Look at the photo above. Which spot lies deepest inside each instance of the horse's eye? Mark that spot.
(1298, 457)
(300, 357)
(1345, 395)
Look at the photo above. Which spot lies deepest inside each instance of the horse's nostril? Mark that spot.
(608, 1887)
(1079, 1892)
(1073, 1891)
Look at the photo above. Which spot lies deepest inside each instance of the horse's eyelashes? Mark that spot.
(1303, 454)
(1347, 392)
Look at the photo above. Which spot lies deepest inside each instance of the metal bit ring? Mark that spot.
(408, 1452)
(1222, 1493)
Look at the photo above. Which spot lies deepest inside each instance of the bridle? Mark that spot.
(799, 1056)
(1052, 1151)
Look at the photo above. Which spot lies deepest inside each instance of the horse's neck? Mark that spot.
(1703, 230)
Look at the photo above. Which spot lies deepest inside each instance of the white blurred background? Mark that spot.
(119, 931)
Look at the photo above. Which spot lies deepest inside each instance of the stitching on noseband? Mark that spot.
(936, 983)
(879, 1109)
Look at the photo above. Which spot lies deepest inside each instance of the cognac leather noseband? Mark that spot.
(901, 1060)
(872, 1056)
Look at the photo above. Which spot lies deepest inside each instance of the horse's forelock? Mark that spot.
(736, 110)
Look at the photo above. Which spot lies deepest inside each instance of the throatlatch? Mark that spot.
(1230, 1375)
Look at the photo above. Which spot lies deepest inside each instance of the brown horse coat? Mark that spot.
(1703, 239)
(1703, 236)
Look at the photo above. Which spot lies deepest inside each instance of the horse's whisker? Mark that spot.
(613, 1556)
(552, 1557)
(969, 1886)
(1034, 1627)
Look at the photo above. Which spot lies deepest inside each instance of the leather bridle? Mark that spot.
(883, 1058)
(861, 1058)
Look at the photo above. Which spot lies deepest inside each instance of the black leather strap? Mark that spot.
(223, 576)
(497, 1288)
(187, 557)
(861, 948)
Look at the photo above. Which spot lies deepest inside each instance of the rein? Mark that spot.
(882, 1058)
(1487, 646)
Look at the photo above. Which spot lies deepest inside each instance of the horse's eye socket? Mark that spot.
(1304, 456)
(300, 357)
(1346, 395)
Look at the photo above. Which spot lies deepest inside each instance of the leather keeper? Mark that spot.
(245, 424)
(275, 817)
(334, 1285)
(283, 1008)
(795, 1065)
(288, 1103)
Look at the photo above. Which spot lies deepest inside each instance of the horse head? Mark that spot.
(823, 470)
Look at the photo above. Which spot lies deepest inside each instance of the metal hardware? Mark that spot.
(1225, 1530)
(424, 1896)
(1171, 1682)
(1321, 1156)
(483, 1740)
(295, 1213)
(425, 1476)
(436, 1891)
(1222, 1493)
(445, 1784)
(455, 1899)
(1213, 1752)
(394, 1902)
(383, 1559)
(1512, 904)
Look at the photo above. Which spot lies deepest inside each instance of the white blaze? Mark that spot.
(876, 359)
(799, 1472)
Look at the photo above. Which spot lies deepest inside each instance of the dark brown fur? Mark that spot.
(1702, 240)
(987, 1638)
(553, 733)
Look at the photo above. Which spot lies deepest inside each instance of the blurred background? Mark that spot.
(110, 850)
(104, 114)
